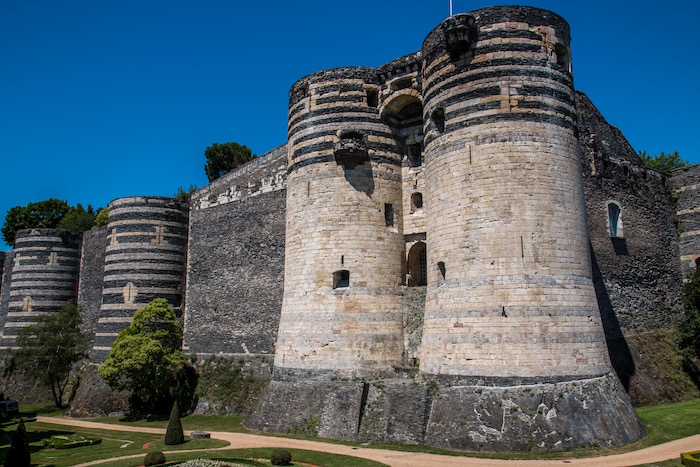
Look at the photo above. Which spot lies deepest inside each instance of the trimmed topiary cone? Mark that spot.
(19, 455)
(174, 434)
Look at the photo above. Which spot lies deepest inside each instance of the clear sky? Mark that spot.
(104, 99)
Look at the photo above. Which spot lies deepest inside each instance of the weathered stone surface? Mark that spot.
(555, 416)
(92, 264)
(93, 398)
(235, 272)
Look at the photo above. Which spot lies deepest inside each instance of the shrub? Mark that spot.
(690, 459)
(174, 434)
(154, 458)
(69, 441)
(281, 457)
(19, 455)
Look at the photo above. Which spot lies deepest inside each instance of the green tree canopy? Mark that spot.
(40, 215)
(689, 326)
(663, 162)
(146, 358)
(77, 219)
(47, 350)
(222, 158)
(102, 218)
(183, 194)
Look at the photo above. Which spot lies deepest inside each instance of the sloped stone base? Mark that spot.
(593, 412)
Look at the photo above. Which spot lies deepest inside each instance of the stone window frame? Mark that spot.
(616, 231)
(341, 279)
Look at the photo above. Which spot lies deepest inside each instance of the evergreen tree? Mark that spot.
(174, 434)
(222, 158)
(19, 455)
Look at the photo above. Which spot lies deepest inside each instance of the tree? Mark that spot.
(77, 219)
(689, 326)
(41, 215)
(19, 454)
(183, 194)
(145, 358)
(174, 434)
(663, 162)
(102, 218)
(222, 158)
(47, 350)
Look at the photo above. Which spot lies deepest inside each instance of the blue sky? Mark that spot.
(104, 99)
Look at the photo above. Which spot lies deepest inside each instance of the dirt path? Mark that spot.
(661, 452)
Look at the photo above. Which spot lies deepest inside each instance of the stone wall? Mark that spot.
(92, 265)
(509, 286)
(639, 268)
(636, 267)
(235, 270)
(685, 183)
(5, 287)
(44, 277)
(144, 260)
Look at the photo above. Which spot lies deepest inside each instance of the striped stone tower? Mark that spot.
(145, 259)
(510, 303)
(341, 311)
(44, 277)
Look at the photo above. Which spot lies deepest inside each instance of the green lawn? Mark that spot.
(664, 423)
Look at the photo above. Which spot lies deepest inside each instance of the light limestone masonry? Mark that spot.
(509, 280)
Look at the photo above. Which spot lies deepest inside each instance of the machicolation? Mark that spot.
(452, 249)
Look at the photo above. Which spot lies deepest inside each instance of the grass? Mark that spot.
(664, 423)
(113, 442)
(321, 459)
(230, 423)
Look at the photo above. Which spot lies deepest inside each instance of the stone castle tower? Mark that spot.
(436, 255)
(482, 125)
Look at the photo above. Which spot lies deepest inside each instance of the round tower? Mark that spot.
(341, 311)
(44, 277)
(145, 259)
(510, 299)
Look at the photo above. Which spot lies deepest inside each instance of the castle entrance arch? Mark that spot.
(417, 266)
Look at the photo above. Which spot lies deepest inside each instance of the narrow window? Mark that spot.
(441, 270)
(372, 97)
(341, 279)
(615, 220)
(416, 201)
(415, 156)
(438, 118)
(563, 59)
(389, 215)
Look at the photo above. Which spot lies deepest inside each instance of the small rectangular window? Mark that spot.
(341, 279)
(389, 215)
(372, 97)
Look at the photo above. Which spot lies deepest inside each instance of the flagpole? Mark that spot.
(450, 7)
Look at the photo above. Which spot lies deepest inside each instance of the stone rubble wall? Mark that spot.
(235, 269)
(92, 264)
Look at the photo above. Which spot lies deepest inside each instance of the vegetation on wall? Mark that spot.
(222, 158)
(146, 360)
(48, 214)
(224, 383)
(663, 162)
(47, 350)
(689, 327)
(183, 194)
(102, 218)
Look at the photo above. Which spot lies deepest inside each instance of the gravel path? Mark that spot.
(658, 453)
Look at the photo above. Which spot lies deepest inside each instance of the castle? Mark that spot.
(449, 250)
